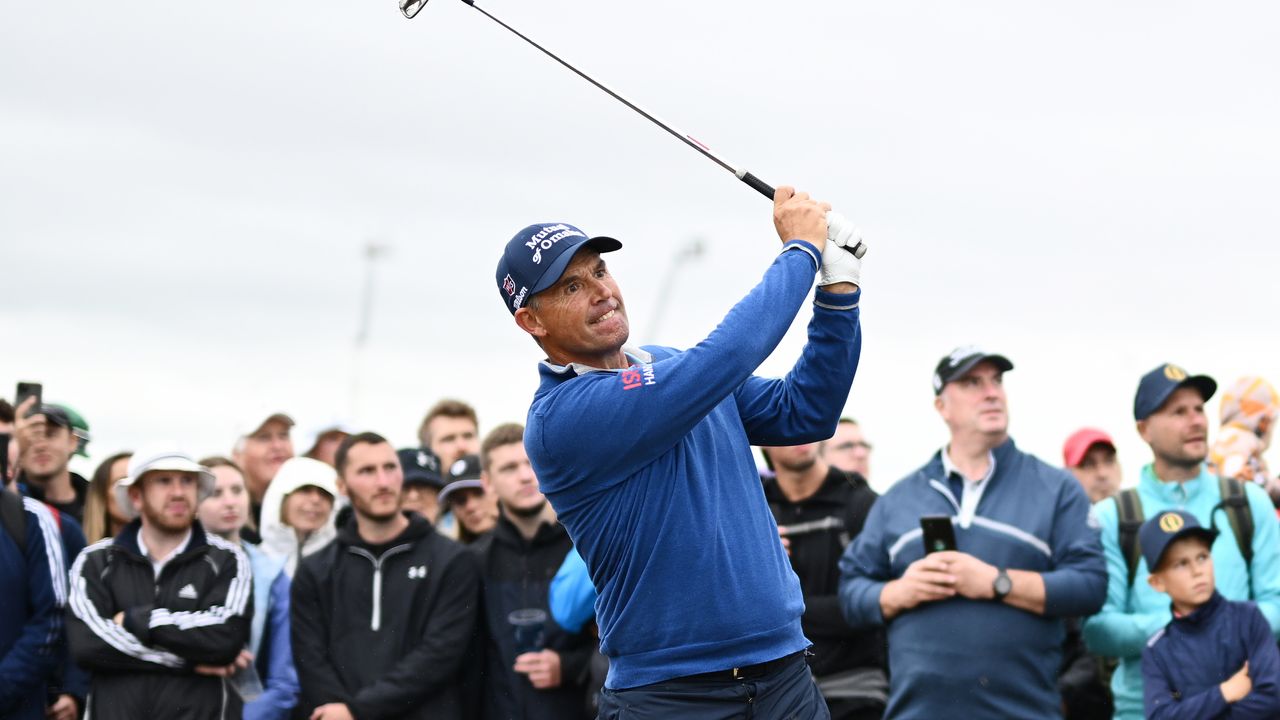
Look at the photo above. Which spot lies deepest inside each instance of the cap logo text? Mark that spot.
(548, 236)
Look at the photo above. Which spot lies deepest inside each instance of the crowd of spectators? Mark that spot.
(341, 577)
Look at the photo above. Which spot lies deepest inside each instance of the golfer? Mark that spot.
(645, 455)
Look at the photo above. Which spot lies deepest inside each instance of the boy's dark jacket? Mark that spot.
(1184, 663)
(385, 628)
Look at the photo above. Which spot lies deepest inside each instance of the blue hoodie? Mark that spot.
(970, 658)
(33, 592)
(1132, 615)
(1183, 664)
(651, 472)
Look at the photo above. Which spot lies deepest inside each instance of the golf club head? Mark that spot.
(411, 7)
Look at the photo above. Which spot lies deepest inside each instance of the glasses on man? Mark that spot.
(852, 445)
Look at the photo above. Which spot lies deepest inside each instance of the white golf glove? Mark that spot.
(838, 263)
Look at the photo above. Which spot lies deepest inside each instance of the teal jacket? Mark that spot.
(1132, 615)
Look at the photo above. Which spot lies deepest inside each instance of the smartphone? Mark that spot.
(939, 535)
(26, 390)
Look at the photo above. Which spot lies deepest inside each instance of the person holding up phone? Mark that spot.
(976, 632)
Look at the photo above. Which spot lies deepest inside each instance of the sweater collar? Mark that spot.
(1200, 617)
(1176, 494)
(633, 353)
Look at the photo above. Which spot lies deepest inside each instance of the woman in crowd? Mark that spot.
(102, 516)
(297, 510)
(225, 513)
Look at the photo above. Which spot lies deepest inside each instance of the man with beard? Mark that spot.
(160, 614)
(48, 442)
(1169, 410)
(536, 670)
(382, 617)
(975, 629)
(819, 510)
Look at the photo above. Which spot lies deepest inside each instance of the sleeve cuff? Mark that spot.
(837, 301)
(807, 247)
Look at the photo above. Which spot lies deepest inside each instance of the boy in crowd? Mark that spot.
(1216, 658)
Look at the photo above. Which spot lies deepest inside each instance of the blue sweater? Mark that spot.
(651, 472)
(33, 592)
(968, 658)
(1183, 664)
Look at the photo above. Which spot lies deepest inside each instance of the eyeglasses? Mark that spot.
(853, 444)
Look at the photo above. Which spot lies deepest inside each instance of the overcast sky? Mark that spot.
(186, 190)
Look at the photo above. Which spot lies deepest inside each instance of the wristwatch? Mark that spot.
(1002, 585)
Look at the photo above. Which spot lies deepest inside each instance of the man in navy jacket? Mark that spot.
(976, 632)
(645, 456)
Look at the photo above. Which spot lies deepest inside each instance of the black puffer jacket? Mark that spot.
(384, 629)
(197, 612)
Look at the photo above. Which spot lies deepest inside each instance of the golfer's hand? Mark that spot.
(974, 579)
(542, 667)
(926, 580)
(799, 217)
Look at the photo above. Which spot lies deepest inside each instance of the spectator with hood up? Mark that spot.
(297, 511)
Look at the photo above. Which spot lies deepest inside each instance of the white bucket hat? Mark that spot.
(160, 458)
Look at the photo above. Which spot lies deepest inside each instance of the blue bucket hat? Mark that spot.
(537, 256)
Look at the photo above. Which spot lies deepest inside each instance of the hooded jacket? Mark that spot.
(517, 575)
(979, 658)
(1183, 664)
(280, 540)
(269, 639)
(196, 612)
(1132, 614)
(384, 628)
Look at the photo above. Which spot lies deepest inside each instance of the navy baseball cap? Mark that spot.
(536, 258)
(421, 467)
(1156, 534)
(1156, 387)
(960, 361)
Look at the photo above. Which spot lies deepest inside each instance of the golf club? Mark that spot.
(410, 8)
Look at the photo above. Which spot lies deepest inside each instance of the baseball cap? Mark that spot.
(537, 256)
(463, 475)
(79, 427)
(1076, 446)
(1156, 387)
(421, 467)
(1155, 534)
(54, 415)
(960, 361)
(160, 457)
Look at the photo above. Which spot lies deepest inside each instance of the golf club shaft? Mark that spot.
(756, 183)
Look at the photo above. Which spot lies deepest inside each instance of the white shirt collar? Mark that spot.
(157, 564)
(973, 489)
(633, 352)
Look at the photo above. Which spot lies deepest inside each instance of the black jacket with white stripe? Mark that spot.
(197, 612)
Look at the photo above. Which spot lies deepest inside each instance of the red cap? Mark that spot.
(1074, 449)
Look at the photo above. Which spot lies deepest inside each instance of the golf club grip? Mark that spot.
(759, 185)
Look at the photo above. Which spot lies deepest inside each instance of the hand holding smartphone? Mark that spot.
(26, 390)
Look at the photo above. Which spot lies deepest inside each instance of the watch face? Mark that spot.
(1003, 584)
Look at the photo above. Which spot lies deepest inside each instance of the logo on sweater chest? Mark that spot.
(638, 376)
